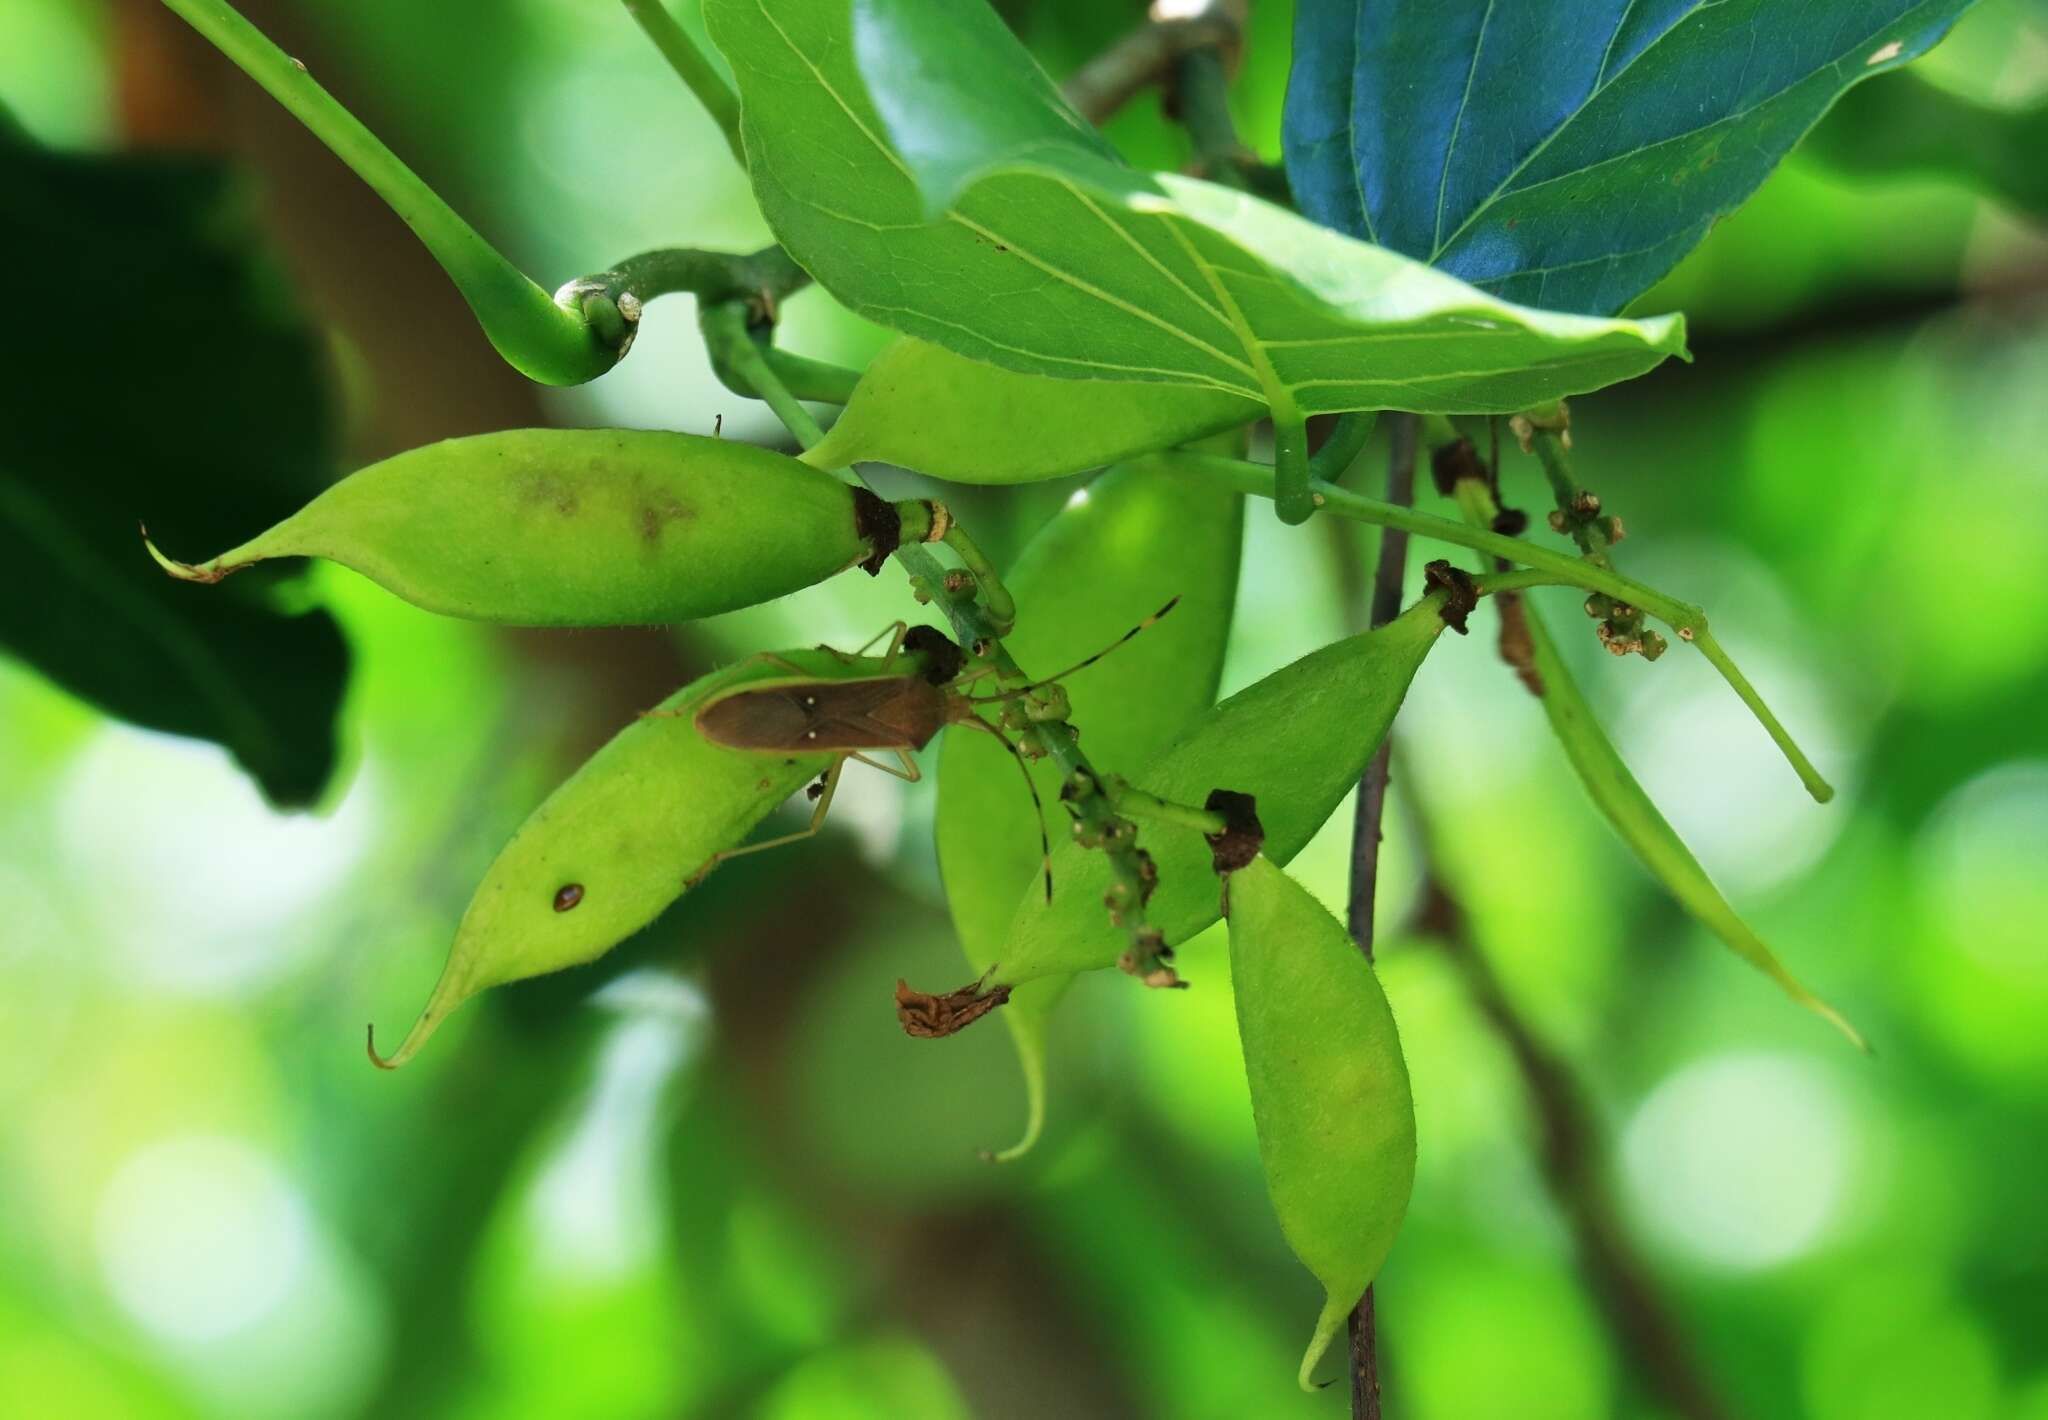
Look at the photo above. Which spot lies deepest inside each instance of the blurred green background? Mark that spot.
(709, 1177)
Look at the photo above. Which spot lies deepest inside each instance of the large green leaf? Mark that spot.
(914, 159)
(160, 373)
(1566, 153)
(924, 407)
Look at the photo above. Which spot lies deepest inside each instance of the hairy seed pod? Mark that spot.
(1297, 741)
(584, 527)
(1329, 1088)
(622, 838)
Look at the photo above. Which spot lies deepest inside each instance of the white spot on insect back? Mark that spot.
(1890, 51)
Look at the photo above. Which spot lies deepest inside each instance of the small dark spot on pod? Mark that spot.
(567, 896)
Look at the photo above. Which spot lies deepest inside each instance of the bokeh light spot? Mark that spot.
(1741, 1161)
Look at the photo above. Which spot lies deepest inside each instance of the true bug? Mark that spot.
(914, 693)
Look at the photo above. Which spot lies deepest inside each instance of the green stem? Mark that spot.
(1258, 480)
(1291, 495)
(1589, 534)
(693, 68)
(1816, 785)
(1687, 620)
(544, 341)
(1002, 609)
(1346, 442)
(1133, 802)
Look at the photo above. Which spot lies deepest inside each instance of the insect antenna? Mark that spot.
(1038, 804)
(1012, 692)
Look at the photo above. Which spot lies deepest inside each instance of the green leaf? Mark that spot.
(1904, 126)
(1112, 557)
(911, 156)
(1567, 153)
(1648, 834)
(1296, 741)
(162, 367)
(924, 407)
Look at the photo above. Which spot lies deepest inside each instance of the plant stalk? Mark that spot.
(694, 68)
(547, 342)
(1388, 577)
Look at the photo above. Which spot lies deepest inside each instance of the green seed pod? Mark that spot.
(1644, 828)
(622, 838)
(1297, 741)
(927, 408)
(584, 527)
(1329, 1088)
(1098, 568)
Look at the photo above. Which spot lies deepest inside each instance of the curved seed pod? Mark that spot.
(1329, 1088)
(1647, 832)
(924, 407)
(584, 527)
(618, 841)
(1096, 570)
(1297, 741)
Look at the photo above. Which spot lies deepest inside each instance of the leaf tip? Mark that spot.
(1328, 1324)
(183, 571)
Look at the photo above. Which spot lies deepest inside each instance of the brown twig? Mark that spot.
(1387, 581)
(1146, 57)
(1576, 1172)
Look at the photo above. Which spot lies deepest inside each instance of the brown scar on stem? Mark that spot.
(1461, 594)
(1517, 646)
(929, 1017)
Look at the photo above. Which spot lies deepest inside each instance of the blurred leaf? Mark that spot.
(1906, 125)
(1418, 126)
(1112, 557)
(166, 378)
(917, 162)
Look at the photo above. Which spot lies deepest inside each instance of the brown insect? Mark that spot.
(894, 712)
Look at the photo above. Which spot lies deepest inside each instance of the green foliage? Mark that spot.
(1910, 126)
(1143, 540)
(577, 527)
(1647, 832)
(1296, 741)
(1059, 310)
(1017, 239)
(208, 414)
(1329, 1087)
(1574, 193)
(927, 408)
(622, 838)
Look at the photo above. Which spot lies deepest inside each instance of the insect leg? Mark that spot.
(908, 770)
(1044, 840)
(831, 786)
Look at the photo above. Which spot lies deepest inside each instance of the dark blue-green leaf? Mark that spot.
(159, 371)
(1565, 154)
